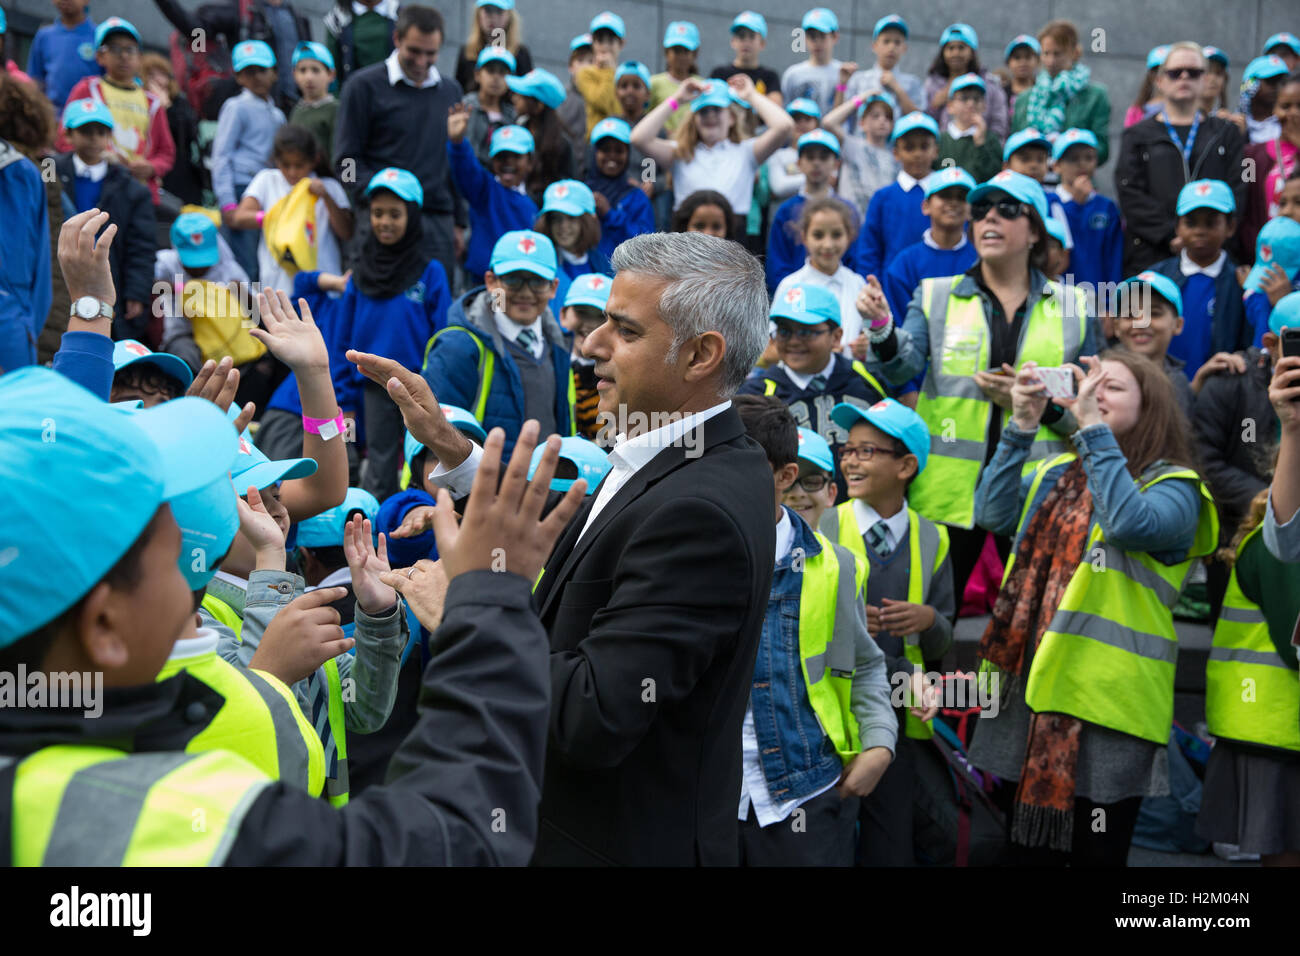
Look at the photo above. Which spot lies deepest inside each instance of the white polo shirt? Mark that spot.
(728, 168)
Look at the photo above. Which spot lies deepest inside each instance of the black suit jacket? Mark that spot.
(654, 618)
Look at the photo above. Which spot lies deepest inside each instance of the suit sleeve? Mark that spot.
(661, 629)
(350, 134)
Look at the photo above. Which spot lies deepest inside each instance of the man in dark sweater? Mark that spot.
(394, 113)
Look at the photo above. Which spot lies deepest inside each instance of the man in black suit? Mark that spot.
(654, 596)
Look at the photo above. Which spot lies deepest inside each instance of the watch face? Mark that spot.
(87, 307)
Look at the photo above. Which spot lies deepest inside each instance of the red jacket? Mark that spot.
(159, 149)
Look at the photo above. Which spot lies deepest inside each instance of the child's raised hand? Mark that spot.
(847, 70)
(367, 564)
(296, 342)
(872, 304)
(457, 122)
(332, 282)
(602, 205)
(84, 259)
(1276, 284)
(742, 85)
(302, 636)
(258, 525)
(692, 88)
(218, 382)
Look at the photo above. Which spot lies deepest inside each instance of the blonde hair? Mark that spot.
(152, 62)
(1185, 45)
(476, 42)
(688, 137)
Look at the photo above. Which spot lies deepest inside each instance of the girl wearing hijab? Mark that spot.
(392, 306)
(621, 204)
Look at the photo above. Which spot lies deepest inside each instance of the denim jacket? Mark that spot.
(797, 757)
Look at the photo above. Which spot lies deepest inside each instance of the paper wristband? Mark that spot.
(327, 428)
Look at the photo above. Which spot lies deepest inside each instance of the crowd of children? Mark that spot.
(931, 245)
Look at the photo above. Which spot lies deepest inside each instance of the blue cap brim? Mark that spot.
(199, 258)
(566, 207)
(167, 363)
(266, 473)
(196, 442)
(521, 265)
(1255, 279)
(583, 298)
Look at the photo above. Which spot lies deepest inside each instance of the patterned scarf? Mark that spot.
(1049, 553)
(1048, 97)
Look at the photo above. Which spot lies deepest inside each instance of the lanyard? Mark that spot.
(1191, 140)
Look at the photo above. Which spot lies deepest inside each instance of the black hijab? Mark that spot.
(613, 188)
(385, 271)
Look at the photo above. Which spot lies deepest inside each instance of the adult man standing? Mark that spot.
(394, 113)
(654, 596)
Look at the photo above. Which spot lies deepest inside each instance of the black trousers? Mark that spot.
(1099, 839)
(885, 818)
(384, 434)
(818, 833)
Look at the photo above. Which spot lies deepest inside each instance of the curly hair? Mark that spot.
(26, 117)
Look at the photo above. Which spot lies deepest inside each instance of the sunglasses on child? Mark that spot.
(1007, 208)
(1185, 72)
(515, 281)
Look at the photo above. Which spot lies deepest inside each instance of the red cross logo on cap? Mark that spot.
(795, 294)
(596, 282)
(526, 245)
(561, 191)
(196, 238)
(248, 48)
(243, 446)
(1146, 276)
(679, 28)
(1002, 176)
(390, 175)
(87, 106)
(135, 348)
(880, 406)
(1202, 189)
(446, 409)
(1266, 252)
(801, 438)
(506, 133)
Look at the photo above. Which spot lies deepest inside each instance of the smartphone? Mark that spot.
(1058, 381)
(1291, 342)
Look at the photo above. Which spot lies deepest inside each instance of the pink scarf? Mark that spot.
(1282, 167)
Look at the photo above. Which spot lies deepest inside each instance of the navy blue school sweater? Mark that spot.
(920, 261)
(597, 261)
(1214, 319)
(494, 209)
(785, 249)
(894, 222)
(631, 217)
(1098, 235)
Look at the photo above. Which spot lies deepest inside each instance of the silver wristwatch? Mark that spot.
(89, 308)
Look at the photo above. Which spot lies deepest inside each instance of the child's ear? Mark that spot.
(832, 490)
(836, 335)
(1178, 325)
(908, 467)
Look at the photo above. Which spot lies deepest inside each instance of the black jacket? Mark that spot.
(130, 207)
(1235, 429)
(463, 788)
(654, 616)
(1149, 174)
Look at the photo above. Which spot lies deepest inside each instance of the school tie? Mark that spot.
(526, 339)
(818, 383)
(878, 538)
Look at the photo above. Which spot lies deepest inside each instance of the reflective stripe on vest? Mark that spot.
(486, 367)
(827, 646)
(223, 612)
(1251, 694)
(573, 402)
(336, 787)
(956, 410)
(1108, 654)
(94, 806)
(260, 720)
(927, 546)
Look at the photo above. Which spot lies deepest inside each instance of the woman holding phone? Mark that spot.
(968, 333)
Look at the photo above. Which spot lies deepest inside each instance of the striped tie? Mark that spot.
(526, 339)
(878, 538)
(818, 383)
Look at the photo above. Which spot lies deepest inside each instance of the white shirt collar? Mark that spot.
(802, 380)
(632, 454)
(204, 642)
(510, 330)
(93, 173)
(907, 182)
(1065, 195)
(784, 536)
(232, 579)
(811, 274)
(1190, 268)
(957, 133)
(385, 8)
(896, 523)
(395, 74)
(928, 239)
(570, 258)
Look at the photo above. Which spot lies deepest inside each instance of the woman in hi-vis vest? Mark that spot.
(968, 334)
(1081, 644)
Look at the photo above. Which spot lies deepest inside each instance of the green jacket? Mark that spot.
(1089, 110)
(982, 162)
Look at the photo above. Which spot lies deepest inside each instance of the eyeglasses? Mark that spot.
(802, 332)
(812, 483)
(1007, 209)
(518, 280)
(1185, 72)
(121, 49)
(865, 452)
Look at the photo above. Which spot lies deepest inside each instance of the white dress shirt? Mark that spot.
(958, 133)
(1190, 268)
(93, 173)
(385, 8)
(928, 238)
(907, 182)
(395, 74)
(895, 524)
(510, 330)
(801, 379)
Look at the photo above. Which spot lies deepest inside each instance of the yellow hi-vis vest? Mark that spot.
(336, 787)
(828, 597)
(1108, 654)
(1251, 694)
(95, 806)
(927, 546)
(260, 720)
(769, 385)
(223, 612)
(955, 409)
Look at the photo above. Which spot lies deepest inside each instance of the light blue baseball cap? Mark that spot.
(821, 20)
(1056, 230)
(460, 419)
(499, 4)
(962, 32)
(814, 450)
(1161, 285)
(894, 419)
(947, 178)
(1278, 243)
(717, 94)
(522, 250)
(1022, 39)
(749, 20)
(1215, 54)
(682, 33)
(807, 305)
(540, 85)
(879, 96)
(130, 352)
(580, 41)
(82, 480)
(967, 81)
(612, 127)
(4, 23)
(802, 106)
(511, 139)
(1206, 194)
(592, 463)
(326, 529)
(1286, 314)
(495, 54)
(1026, 137)
(818, 137)
(253, 469)
(891, 21)
(1073, 137)
(915, 120)
(115, 25)
(310, 50)
(1017, 185)
(634, 68)
(194, 237)
(607, 21)
(209, 519)
(591, 290)
(1265, 68)
(1285, 39)
(400, 182)
(252, 53)
(1157, 55)
(570, 197)
(80, 112)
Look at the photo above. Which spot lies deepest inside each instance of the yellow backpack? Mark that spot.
(220, 322)
(289, 229)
